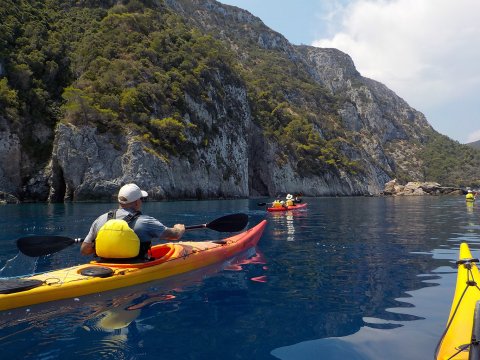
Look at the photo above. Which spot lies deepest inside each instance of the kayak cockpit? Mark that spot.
(158, 254)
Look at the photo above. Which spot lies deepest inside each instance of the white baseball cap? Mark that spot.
(130, 193)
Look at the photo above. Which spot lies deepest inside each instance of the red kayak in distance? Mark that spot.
(286, 208)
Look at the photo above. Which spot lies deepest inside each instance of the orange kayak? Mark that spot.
(285, 208)
(169, 259)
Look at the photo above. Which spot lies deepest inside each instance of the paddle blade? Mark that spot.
(39, 245)
(229, 223)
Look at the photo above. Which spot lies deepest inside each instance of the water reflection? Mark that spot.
(470, 206)
(115, 316)
(349, 277)
(372, 342)
(18, 265)
(286, 221)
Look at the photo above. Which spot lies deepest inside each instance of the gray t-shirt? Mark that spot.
(146, 227)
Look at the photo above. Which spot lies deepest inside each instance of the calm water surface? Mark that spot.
(356, 278)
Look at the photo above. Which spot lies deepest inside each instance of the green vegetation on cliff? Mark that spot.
(113, 66)
(127, 66)
(450, 163)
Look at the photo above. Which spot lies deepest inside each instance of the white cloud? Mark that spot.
(474, 136)
(427, 51)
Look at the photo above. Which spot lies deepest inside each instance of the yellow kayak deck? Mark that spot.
(457, 338)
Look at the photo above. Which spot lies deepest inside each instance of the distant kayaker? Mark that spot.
(276, 203)
(297, 199)
(470, 196)
(289, 199)
(113, 239)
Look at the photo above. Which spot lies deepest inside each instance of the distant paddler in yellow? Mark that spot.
(289, 201)
(471, 196)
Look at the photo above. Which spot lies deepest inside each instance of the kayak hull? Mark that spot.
(286, 208)
(170, 259)
(459, 332)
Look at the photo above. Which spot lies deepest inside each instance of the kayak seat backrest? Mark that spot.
(159, 251)
(158, 254)
(137, 260)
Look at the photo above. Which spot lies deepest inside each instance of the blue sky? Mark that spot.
(427, 51)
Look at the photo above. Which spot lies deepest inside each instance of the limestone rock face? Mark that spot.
(10, 160)
(391, 130)
(87, 165)
(91, 166)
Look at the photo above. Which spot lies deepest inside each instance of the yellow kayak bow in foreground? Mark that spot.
(461, 338)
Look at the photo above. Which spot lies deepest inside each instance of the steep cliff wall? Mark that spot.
(87, 165)
(235, 115)
(10, 159)
(383, 131)
(383, 125)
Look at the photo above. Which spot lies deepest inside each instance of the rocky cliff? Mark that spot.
(233, 155)
(87, 165)
(382, 129)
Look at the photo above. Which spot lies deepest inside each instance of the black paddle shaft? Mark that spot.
(228, 223)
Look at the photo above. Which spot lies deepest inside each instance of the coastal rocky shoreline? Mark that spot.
(392, 188)
(417, 188)
(6, 198)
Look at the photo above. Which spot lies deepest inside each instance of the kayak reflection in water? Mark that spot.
(124, 315)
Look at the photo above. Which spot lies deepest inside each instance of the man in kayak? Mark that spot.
(276, 203)
(110, 237)
(470, 195)
(289, 201)
(297, 199)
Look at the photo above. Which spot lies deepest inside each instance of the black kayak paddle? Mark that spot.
(40, 245)
(227, 223)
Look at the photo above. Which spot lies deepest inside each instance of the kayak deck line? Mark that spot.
(118, 268)
(124, 268)
(461, 335)
(169, 259)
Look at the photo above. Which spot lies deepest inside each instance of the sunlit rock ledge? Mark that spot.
(417, 188)
(6, 198)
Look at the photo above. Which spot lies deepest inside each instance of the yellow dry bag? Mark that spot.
(116, 240)
(276, 204)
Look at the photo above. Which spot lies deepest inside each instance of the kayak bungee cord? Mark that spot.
(18, 284)
(467, 263)
(98, 276)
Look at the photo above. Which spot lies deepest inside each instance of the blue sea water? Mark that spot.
(357, 278)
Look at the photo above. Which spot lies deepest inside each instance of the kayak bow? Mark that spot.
(169, 259)
(460, 339)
